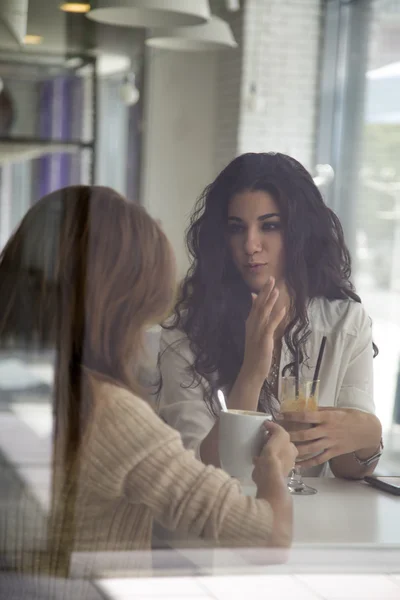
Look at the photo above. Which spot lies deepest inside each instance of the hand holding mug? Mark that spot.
(277, 457)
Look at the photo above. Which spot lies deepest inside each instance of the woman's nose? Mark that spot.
(252, 243)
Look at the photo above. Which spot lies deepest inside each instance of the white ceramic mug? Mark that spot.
(241, 438)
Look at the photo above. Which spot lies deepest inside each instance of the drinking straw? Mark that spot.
(318, 366)
(296, 374)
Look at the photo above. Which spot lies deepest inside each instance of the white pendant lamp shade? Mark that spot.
(214, 35)
(151, 13)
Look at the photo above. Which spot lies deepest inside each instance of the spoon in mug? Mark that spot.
(222, 402)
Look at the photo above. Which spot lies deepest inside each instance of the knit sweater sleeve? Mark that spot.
(137, 455)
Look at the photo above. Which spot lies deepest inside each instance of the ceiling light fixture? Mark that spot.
(214, 35)
(75, 7)
(151, 13)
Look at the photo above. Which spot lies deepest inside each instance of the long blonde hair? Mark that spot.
(84, 273)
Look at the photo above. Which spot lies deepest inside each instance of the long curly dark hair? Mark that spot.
(214, 302)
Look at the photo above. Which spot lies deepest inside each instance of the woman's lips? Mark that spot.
(253, 267)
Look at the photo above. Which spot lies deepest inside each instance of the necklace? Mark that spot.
(274, 371)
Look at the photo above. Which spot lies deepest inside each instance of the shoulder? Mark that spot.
(330, 315)
(118, 404)
(175, 341)
(124, 432)
(130, 420)
(172, 335)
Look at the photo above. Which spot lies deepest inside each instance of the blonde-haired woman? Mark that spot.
(85, 273)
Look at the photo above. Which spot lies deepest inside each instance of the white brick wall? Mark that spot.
(281, 56)
(279, 53)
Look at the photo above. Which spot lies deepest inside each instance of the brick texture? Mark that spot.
(268, 90)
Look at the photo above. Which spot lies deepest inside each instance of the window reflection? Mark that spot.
(378, 212)
(65, 100)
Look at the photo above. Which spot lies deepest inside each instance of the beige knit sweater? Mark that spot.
(135, 469)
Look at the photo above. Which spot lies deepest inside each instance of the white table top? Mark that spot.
(346, 512)
(346, 545)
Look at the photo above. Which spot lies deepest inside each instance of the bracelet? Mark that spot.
(368, 461)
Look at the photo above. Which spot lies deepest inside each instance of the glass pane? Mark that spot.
(378, 205)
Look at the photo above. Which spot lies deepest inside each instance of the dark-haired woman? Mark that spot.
(270, 277)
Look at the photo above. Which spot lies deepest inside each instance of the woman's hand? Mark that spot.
(261, 324)
(260, 328)
(336, 431)
(270, 470)
(277, 457)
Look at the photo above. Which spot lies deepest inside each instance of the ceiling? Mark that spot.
(65, 33)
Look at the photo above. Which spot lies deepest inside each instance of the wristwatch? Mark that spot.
(368, 461)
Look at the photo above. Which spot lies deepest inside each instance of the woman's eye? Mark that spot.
(271, 226)
(234, 228)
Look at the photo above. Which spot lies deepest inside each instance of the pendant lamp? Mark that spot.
(150, 13)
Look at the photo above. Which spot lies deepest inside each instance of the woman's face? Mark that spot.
(255, 238)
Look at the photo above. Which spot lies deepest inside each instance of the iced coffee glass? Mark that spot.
(305, 398)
